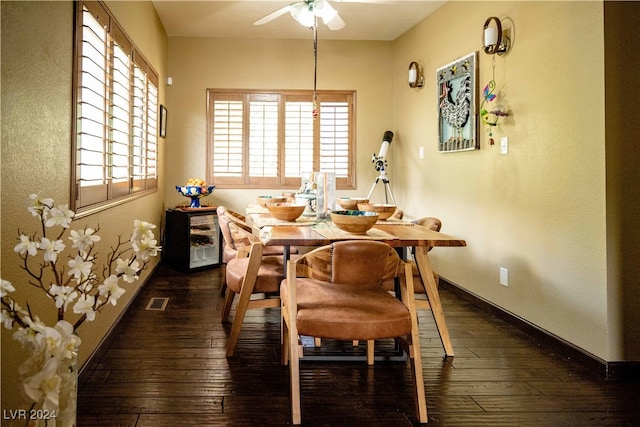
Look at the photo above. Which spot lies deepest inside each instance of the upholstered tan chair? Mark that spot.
(249, 273)
(230, 248)
(336, 292)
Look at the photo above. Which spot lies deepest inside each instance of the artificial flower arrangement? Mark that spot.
(48, 376)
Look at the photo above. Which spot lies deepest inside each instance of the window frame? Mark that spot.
(283, 96)
(137, 145)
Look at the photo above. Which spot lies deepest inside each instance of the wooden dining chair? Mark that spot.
(336, 292)
(249, 273)
(230, 248)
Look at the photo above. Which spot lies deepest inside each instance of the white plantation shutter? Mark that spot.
(334, 138)
(120, 115)
(227, 138)
(145, 127)
(91, 146)
(116, 112)
(263, 136)
(299, 139)
(265, 139)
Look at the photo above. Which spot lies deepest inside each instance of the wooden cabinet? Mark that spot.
(192, 239)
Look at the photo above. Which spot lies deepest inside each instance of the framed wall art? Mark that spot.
(163, 121)
(457, 108)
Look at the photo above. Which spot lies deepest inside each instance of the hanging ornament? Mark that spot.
(490, 118)
(315, 112)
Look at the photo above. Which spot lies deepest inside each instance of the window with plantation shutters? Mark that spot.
(260, 139)
(116, 110)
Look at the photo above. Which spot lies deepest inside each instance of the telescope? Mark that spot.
(379, 161)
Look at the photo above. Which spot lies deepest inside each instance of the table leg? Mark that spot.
(286, 254)
(430, 285)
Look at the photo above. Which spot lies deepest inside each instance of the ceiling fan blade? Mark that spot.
(273, 15)
(336, 23)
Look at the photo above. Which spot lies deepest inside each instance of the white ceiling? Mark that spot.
(365, 19)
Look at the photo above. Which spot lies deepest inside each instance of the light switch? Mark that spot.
(504, 277)
(421, 152)
(504, 145)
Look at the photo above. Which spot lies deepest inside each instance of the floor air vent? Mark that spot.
(157, 304)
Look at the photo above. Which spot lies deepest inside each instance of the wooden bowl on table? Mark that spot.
(286, 211)
(356, 222)
(351, 203)
(383, 210)
(265, 200)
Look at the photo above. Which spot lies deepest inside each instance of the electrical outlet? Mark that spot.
(504, 277)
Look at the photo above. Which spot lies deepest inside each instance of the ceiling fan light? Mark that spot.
(336, 23)
(301, 13)
(329, 15)
(324, 10)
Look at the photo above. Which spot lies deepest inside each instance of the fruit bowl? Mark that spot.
(194, 192)
(265, 200)
(286, 211)
(383, 210)
(356, 222)
(351, 203)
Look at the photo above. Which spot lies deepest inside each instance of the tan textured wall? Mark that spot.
(37, 42)
(622, 38)
(538, 211)
(199, 63)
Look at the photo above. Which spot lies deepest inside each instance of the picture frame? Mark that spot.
(163, 121)
(457, 93)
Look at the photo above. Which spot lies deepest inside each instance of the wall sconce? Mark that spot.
(495, 38)
(416, 79)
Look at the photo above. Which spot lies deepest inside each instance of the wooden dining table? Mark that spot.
(307, 232)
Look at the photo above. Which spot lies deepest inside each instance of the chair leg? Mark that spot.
(294, 369)
(284, 336)
(415, 355)
(228, 301)
(238, 320)
(246, 290)
(370, 352)
(223, 288)
(418, 379)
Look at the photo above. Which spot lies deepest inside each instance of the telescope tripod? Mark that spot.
(387, 189)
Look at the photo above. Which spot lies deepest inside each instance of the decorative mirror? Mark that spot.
(457, 110)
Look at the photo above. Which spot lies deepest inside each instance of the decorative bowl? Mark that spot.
(286, 211)
(265, 200)
(351, 203)
(194, 192)
(356, 222)
(309, 200)
(383, 210)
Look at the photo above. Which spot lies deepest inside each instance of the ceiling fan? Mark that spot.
(306, 12)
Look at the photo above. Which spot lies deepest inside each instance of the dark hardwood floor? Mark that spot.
(168, 368)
